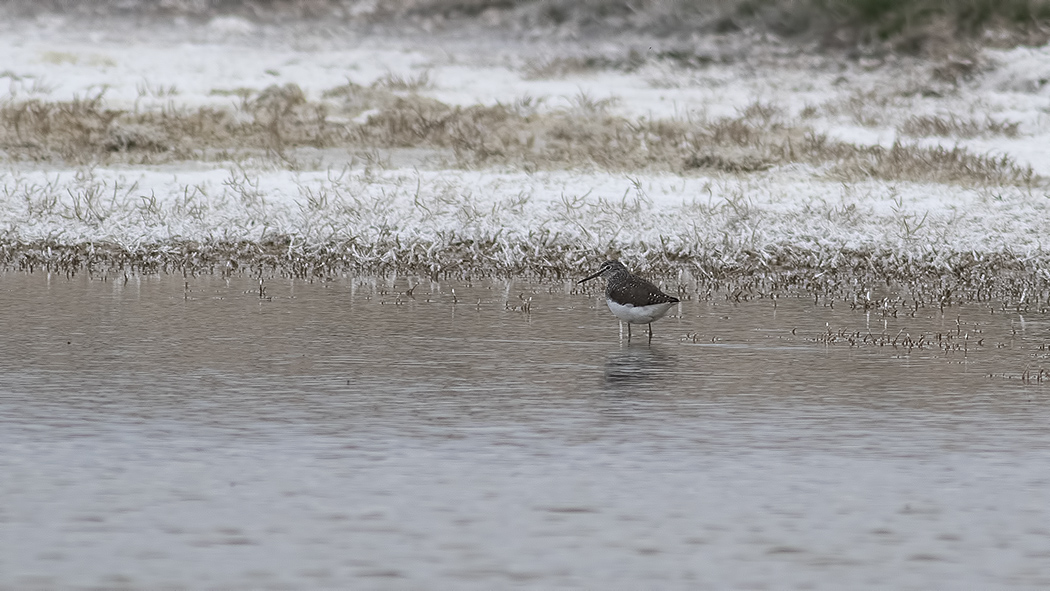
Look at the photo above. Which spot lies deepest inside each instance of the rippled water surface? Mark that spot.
(172, 433)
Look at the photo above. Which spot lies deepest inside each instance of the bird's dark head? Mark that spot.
(607, 270)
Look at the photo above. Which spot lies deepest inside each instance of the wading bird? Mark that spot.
(632, 299)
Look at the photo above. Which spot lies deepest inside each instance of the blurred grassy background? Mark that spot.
(911, 26)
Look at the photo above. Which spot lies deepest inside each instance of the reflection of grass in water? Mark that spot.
(1006, 282)
(280, 119)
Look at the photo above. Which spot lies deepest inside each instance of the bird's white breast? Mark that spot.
(639, 314)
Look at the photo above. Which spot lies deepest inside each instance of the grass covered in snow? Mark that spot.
(247, 149)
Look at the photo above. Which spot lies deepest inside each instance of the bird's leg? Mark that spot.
(628, 333)
(650, 333)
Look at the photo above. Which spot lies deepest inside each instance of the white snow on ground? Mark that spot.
(788, 205)
(593, 211)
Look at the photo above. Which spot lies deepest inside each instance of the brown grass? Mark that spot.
(561, 67)
(958, 127)
(756, 140)
(280, 120)
(85, 130)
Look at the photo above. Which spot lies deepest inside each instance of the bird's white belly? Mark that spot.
(639, 314)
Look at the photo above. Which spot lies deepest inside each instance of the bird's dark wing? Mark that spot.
(640, 292)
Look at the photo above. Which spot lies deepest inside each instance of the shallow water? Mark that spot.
(189, 434)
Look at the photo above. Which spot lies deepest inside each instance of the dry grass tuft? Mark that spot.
(744, 163)
(866, 108)
(957, 127)
(396, 82)
(916, 163)
(37, 128)
(561, 67)
(85, 130)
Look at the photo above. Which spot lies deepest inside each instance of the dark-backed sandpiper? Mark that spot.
(632, 299)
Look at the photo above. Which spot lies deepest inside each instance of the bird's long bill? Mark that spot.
(589, 277)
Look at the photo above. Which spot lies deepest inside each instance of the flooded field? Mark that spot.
(379, 433)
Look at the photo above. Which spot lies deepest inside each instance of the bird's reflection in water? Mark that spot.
(633, 366)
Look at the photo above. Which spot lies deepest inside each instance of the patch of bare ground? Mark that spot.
(280, 119)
